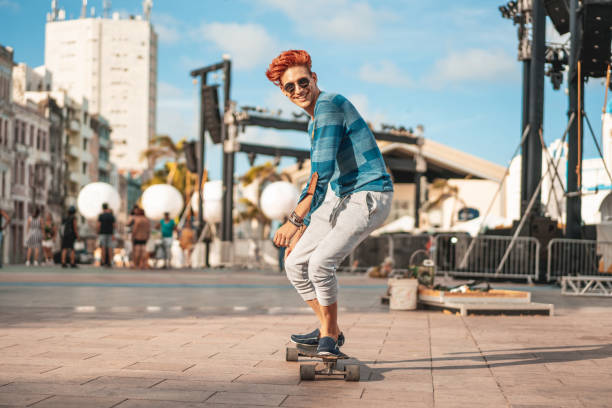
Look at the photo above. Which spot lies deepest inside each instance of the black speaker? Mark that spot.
(212, 117)
(558, 11)
(191, 156)
(595, 54)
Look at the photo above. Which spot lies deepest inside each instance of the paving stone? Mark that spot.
(153, 366)
(62, 401)
(20, 399)
(256, 378)
(224, 397)
(143, 403)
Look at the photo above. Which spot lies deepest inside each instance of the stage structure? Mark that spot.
(588, 55)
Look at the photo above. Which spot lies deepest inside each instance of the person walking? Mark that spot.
(319, 233)
(34, 233)
(69, 235)
(141, 231)
(167, 227)
(186, 241)
(3, 225)
(106, 230)
(49, 231)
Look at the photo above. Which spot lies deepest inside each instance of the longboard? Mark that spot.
(308, 372)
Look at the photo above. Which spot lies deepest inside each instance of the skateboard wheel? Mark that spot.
(352, 373)
(291, 354)
(307, 372)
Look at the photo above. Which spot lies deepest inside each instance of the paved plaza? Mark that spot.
(217, 338)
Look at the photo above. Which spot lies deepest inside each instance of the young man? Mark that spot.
(345, 155)
(106, 229)
(167, 227)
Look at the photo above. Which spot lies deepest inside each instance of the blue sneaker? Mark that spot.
(328, 347)
(308, 339)
(312, 338)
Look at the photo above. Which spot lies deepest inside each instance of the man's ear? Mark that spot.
(314, 76)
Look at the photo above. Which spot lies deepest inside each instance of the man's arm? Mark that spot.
(326, 144)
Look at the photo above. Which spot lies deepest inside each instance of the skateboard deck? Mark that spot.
(308, 372)
(311, 351)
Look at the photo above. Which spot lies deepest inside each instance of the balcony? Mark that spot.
(74, 125)
(79, 178)
(104, 143)
(75, 151)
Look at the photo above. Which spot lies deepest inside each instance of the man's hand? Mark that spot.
(294, 240)
(283, 236)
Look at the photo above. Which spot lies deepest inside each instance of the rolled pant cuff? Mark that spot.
(327, 302)
(308, 296)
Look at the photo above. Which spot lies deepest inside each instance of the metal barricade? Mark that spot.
(463, 255)
(371, 252)
(404, 246)
(578, 257)
(374, 249)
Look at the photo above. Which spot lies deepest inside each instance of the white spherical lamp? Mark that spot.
(213, 190)
(93, 195)
(213, 210)
(161, 198)
(213, 201)
(278, 199)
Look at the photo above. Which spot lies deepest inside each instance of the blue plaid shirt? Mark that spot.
(343, 152)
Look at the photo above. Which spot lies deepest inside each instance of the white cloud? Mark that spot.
(8, 4)
(247, 44)
(474, 65)
(333, 19)
(384, 73)
(177, 112)
(167, 28)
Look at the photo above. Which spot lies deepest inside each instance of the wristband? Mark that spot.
(295, 220)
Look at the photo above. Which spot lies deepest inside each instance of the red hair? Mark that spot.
(286, 60)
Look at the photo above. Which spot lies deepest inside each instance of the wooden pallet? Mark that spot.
(466, 309)
(494, 301)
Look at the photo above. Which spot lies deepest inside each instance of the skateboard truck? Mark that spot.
(308, 372)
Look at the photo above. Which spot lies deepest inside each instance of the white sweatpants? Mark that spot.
(335, 229)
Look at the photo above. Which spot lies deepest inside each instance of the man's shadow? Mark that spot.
(507, 358)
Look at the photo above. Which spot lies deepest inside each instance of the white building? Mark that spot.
(6, 142)
(112, 62)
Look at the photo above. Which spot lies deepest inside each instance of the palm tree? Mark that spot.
(162, 146)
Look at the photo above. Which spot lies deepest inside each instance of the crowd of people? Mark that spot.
(136, 248)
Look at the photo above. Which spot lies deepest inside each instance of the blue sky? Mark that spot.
(450, 66)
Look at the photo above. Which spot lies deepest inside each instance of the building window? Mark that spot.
(16, 131)
(85, 144)
(44, 141)
(6, 132)
(1, 128)
(22, 172)
(38, 139)
(31, 135)
(23, 133)
(3, 182)
(84, 168)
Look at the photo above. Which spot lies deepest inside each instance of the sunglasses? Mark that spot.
(302, 83)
